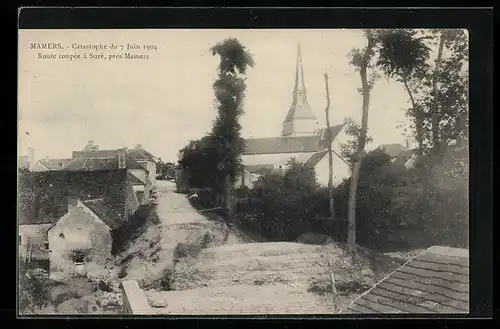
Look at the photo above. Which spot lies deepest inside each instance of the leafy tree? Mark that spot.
(439, 92)
(282, 201)
(164, 170)
(199, 161)
(350, 147)
(403, 56)
(361, 60)
(229, 89)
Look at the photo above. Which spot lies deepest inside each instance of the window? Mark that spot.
(20, 240)
(79, 257)
(61, 236)
(46, 246)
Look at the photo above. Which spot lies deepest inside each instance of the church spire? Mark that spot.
(300, 119)
(299, 91)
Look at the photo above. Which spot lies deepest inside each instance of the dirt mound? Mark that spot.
(293, 264)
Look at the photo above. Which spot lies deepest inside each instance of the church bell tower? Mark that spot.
(300, 120)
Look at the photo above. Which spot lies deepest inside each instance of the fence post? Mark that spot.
(334, 289)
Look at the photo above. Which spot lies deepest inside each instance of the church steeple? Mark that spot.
(299, 91)
(300, 119)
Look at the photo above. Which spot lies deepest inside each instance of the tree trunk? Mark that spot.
(435, 103)
(351, 228)
(330, 155)
(435, 149)
(227, 196)
(351, 211)
(419, 125)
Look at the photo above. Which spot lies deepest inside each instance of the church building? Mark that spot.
(302, 138)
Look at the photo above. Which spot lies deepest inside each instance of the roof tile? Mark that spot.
(294, 144)
(436, 281)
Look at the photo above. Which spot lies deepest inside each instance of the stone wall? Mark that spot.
(134, 299)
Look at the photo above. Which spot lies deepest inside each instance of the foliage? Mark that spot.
(229, 91)
(281, 202)
(199, 160)
(392, 211)
(34, 289)
(350, 147)
(401, 53)
(404, 54)
(165, 169)
(214, 160)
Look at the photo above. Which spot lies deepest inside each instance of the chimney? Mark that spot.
(138, 146)
(121, 159)
(31, 158)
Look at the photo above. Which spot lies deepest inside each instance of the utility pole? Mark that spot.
(330, 155)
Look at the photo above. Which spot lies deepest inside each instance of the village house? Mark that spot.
(137, 161)
(29, 162)
(50, 164)
(301, 138)
(399, 154)
(67, 219)
(145, 159)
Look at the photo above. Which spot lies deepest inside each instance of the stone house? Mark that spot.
(139, 163)
(78, 238)
(68, 218)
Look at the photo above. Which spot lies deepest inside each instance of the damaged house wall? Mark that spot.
(78, 237)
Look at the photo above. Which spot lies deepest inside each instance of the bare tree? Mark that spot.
(330, 155)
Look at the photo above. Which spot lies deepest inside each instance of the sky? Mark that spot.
(166, 100)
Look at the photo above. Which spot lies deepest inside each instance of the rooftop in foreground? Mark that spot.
(436, 281)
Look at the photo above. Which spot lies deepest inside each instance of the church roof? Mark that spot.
(293, 144)
(274, 145)
(315, 159)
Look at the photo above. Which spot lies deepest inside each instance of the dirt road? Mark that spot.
(232, 276)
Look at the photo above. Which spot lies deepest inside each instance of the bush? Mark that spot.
(184, 250)
(311, 238)
(395, 207)
(34, 289)
(167, 281)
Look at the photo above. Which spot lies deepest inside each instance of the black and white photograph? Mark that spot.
(254, 172)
